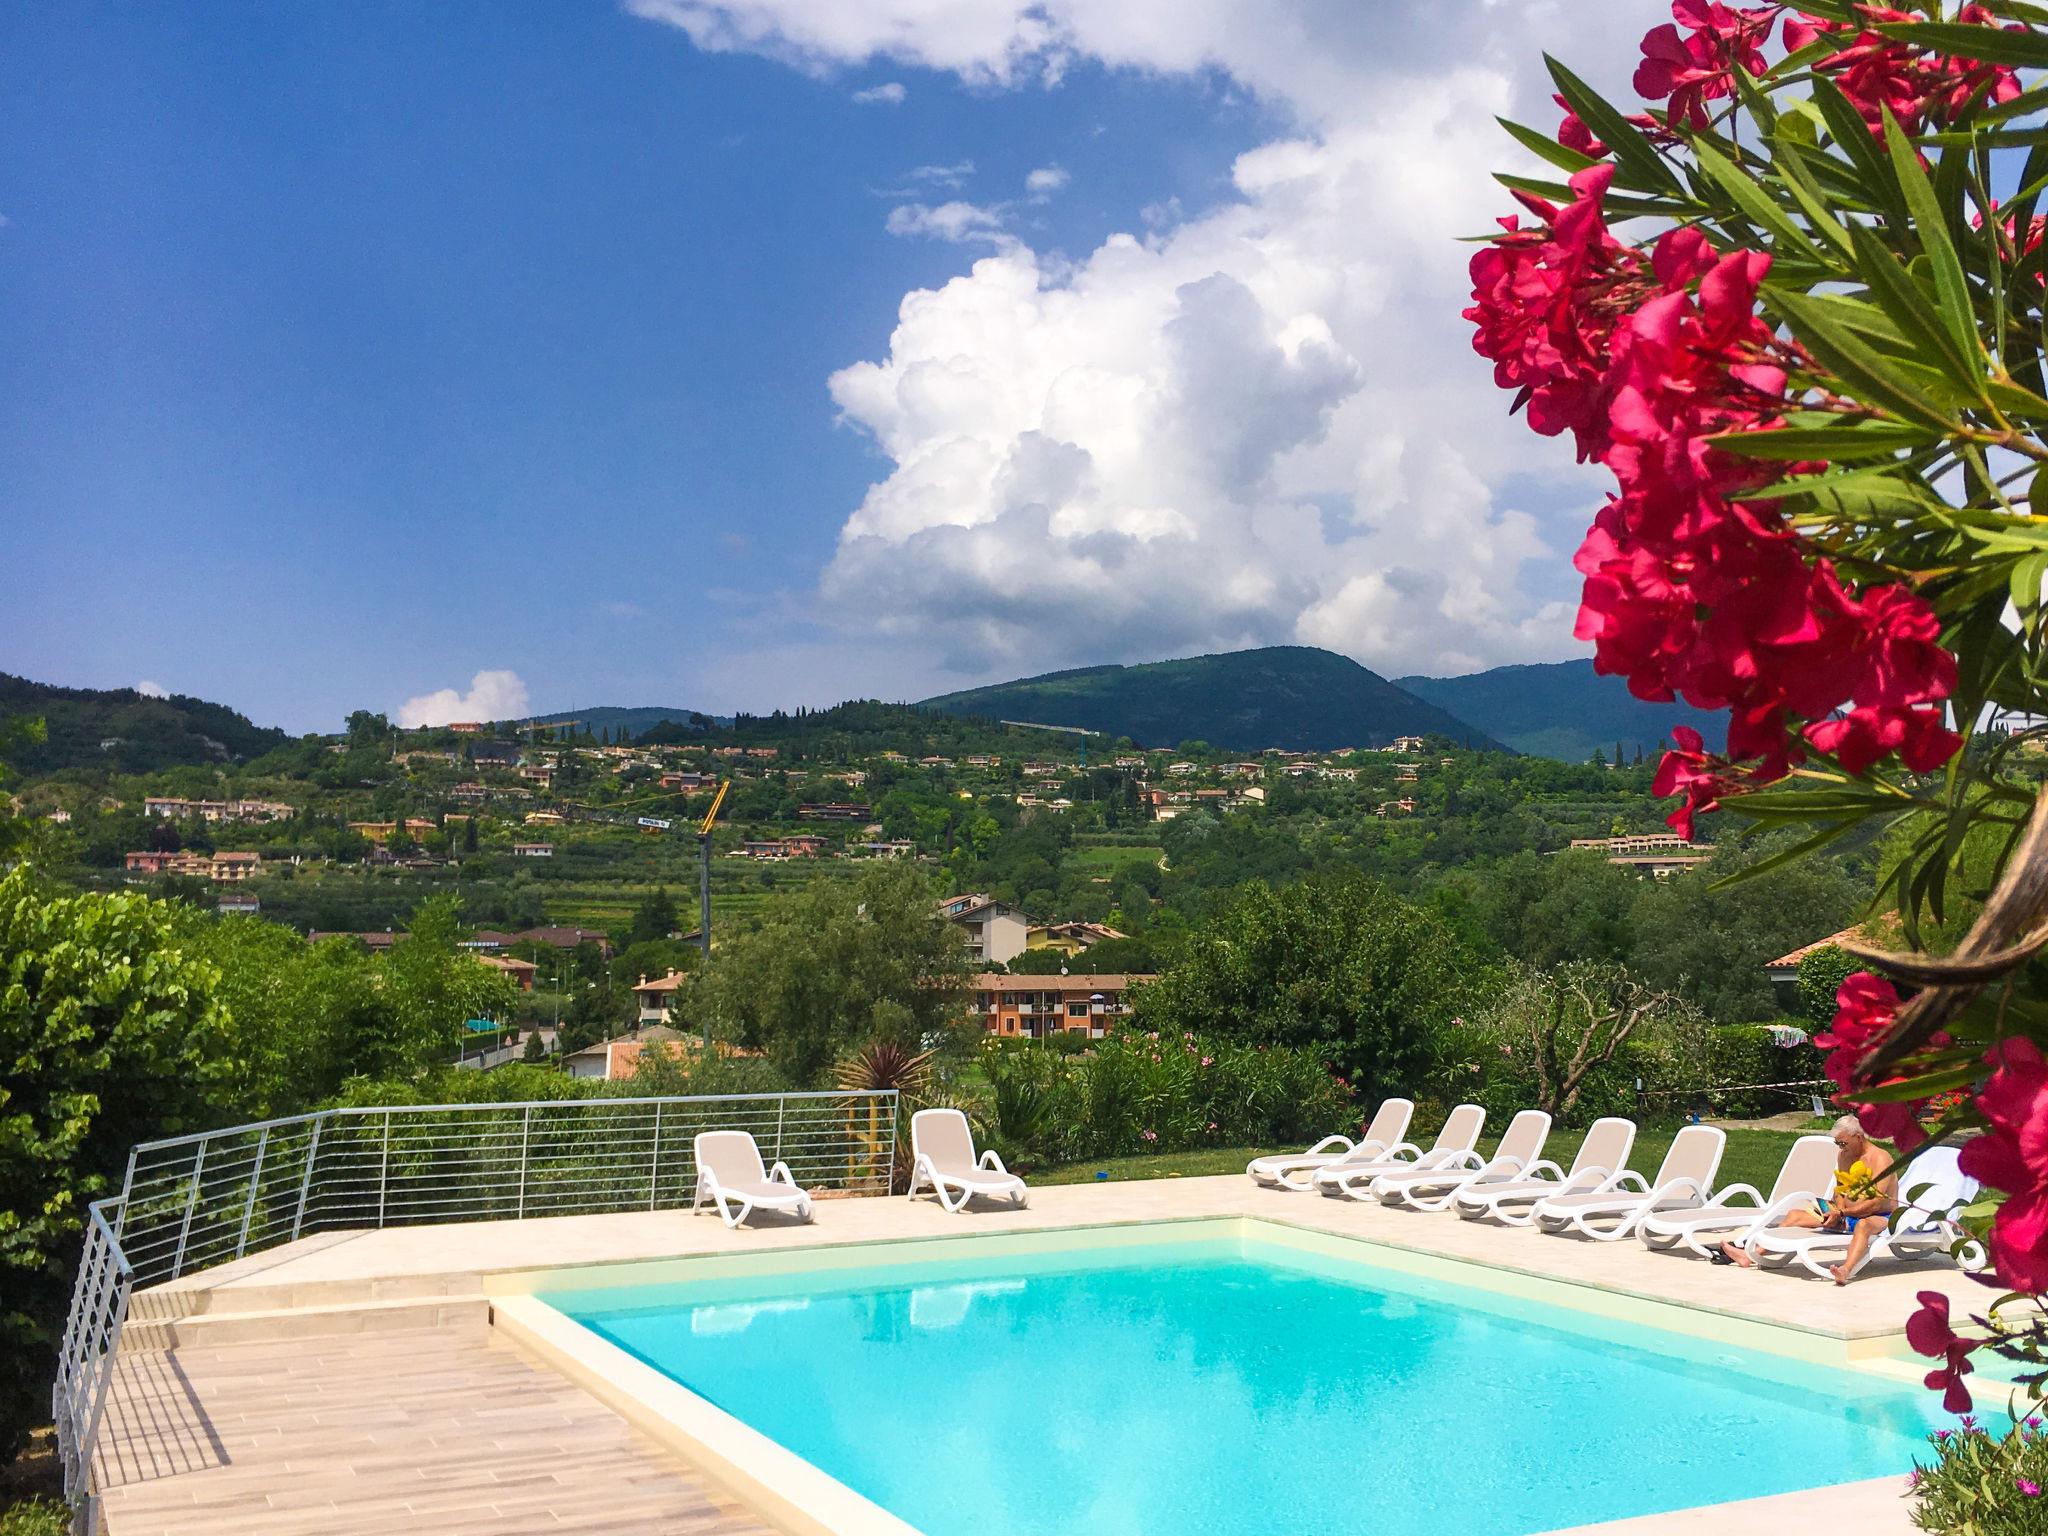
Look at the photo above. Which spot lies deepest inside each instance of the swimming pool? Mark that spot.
(1244, 1386)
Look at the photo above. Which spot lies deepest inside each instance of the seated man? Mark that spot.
(1859, 1202)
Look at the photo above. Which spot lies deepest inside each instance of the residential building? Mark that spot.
(1404, 744)
(1880, 932)
(545, 818)
(374, 942)
(656, 996)
(687, 780)
(238, 901)
(230, 867)
(466, 727)
(470, 792)
(227, 868)
(1068, 938)
(895, 848)
(1402, 807)
(1037, 1006)
(836, 810)
(996, 932)
(1658, 854)
(177, 808)
(488, 939)
(533, 850)
(568, 938)
(982, 760)
(521, 971)
(416, 827)
(800, 846)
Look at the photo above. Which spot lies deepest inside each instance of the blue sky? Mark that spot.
(348, 352)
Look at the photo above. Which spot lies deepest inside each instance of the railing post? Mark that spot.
(525, 1136)
(185, 1227)
(654, 1161)
(306, 1181)
(895, 1111)
(781, 1109)
(255, 1180)
(384, 1171)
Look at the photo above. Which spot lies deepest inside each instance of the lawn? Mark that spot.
(1752, 1157)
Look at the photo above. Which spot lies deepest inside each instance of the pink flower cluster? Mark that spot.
(1691, 61)
(1865, 1006)
(2012, 1155)
(1690, 589)
(1930, 1333)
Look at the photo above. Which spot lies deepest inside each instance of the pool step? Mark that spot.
(198, 1330)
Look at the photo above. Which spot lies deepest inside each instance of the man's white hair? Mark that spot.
(1849, 1125)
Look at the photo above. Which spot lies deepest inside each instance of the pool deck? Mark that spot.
(352, 1381)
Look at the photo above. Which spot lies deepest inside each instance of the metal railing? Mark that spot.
(190, 1202)
(85, 1358)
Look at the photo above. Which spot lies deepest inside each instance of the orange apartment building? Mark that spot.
(1033, 1007)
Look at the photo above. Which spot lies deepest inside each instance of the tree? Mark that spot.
(112, 1034)
(469, 833)
(1562, 1025)
(1335, 963)
(654, 919)
(836, 965)
(1041, 962)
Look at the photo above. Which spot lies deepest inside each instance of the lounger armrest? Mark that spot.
(1544, 1168)
(1622, 1182)
(1467, 1159)
(1724, 1198)
(1398, 1148)
(991, 1162)
(1329, 1144)
(1675, 1187)
(778, 1173)
(1509, 1164)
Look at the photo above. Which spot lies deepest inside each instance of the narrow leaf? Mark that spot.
(1932, 228)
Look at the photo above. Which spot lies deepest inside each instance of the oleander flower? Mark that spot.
(2012, 1155)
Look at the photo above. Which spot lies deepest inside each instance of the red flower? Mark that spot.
(1877, 73)
(1701, 68)
(1930, 1334)
(2012, 1155)
(1688, 769)
(1865, 1006)
(1573, 134)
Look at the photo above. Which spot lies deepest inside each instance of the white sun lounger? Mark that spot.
(1297, 1170)
(1432, 1189)
(730, 1176)
(1601, 1157)
(1931, 1184)
(1452, 1149)
(1685, 1180)
(942, 1155)
(1739, 1210)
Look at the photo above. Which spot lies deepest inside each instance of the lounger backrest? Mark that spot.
(1390, 1122)
(1607, 1145)
(1461, 1129)
(1930, 1185)
(732, 1156)
(1525, 1137)
(1695, 1154)
(1809, 1168)
(943, 1136)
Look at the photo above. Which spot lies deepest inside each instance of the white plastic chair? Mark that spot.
(1685, 1180)
(942, 1155)
(1433, 1189)
(1601, 1157)
(730, 1176)
(1740, 1210)
(1452, 1149)
(1297, 1170)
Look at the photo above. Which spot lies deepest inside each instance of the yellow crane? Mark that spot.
(704, 868)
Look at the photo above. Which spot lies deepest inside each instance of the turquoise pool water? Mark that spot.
(1246, 1388)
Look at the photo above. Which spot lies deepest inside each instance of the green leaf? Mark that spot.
(1852, 136)
(1754, 202)
(1832, 443)
(1903, 300)
(1989, 45)
(1544, 147)
(1632, 152)
(1932, 227)
(1874, 379)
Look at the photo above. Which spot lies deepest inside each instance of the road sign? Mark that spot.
(653, 821)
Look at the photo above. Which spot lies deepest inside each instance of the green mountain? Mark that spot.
(1563, 709)
(128, 732)
(1289, 696)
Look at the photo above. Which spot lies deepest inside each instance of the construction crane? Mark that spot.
(704, 868)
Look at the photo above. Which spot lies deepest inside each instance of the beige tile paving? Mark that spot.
(444, 1428)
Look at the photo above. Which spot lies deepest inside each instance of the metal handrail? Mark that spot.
(190, 1202)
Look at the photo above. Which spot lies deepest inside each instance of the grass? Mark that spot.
(1752, 1157)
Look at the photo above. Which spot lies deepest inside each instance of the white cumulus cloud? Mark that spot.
(1046, 180)
(955, 221)
(493, 695)
(890, 93)
(150, 690)
(1252, 423)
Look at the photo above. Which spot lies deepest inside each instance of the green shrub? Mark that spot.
(1821, 975)
(1981, 1484)
(1746, 1053)
(1137, 1093)
(35, 1517)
